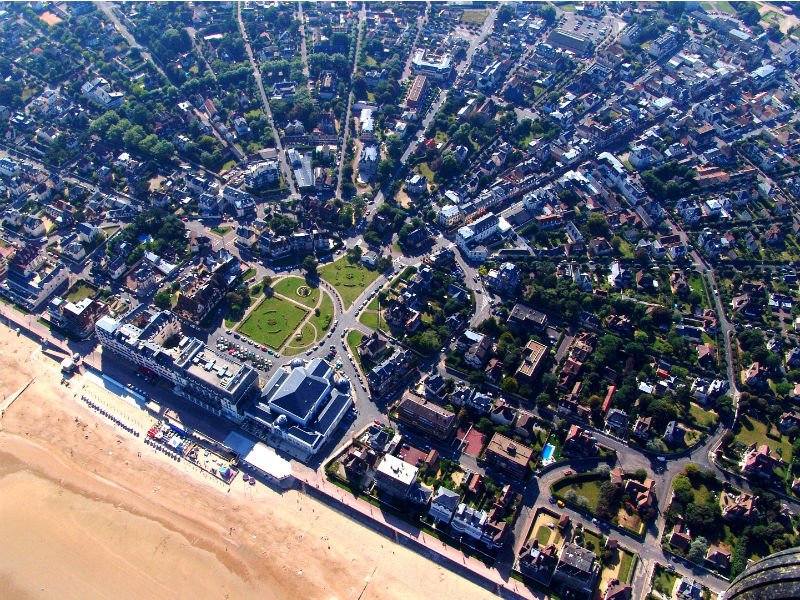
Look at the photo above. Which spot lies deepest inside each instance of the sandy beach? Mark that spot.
(91, 512)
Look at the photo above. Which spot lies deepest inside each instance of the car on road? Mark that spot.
(568, 472)
(560, 503)
(228, 331)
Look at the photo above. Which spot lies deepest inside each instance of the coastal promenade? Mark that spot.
(316, 484)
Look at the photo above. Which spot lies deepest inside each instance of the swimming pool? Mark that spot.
(547, 453)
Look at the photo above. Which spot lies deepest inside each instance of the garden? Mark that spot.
(81, 289)
(298, 290)
(696, 501)
(272, 321)
(596, 494)
(350, 280)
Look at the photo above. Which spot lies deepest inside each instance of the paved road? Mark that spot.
(303, 53)
(362, 15)
(287, 172)
(108, 10)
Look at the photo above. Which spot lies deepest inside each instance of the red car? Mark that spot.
(568, 472)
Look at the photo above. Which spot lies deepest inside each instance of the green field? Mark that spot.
(79, 291)
(589, 489)
(373, 305)
(625, 566)
(750, 430)
(289, 287)
(354, 338)
(475, 17)
(425, 171)
(249, 274)
(301, 341)
(371, 320)
(221, 230)
(664, 581)
(722, 6)
(348, 279)
(325, 318)
(704, 418)
(271, 322)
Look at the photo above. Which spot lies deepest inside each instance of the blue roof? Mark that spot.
(298, 393)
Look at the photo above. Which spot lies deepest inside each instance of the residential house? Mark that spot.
(674, 435)
(758, 461)
(577, 569)
(579, 442)
(738, 507)
(443, 505)
(617, 422)
(395, 477)
(687, 588)
(534, 356)
(475, 347)
(509, 456)
(426, 416)
(523, 319)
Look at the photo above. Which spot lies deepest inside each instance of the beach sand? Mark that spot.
(89, 512)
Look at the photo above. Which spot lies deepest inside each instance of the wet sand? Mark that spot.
(91, 512)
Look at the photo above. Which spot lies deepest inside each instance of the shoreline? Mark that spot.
(242, 542)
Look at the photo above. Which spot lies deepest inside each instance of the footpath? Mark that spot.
(315, 484)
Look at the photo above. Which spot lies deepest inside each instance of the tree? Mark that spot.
(597, 225)
(449, 166)
(385, 169)
(310, 266)
(698, 549)
(162, 299)
(394, 146)
(509, 385)
(548, 13)
(354, 254)
(505, 14)
(607, 499)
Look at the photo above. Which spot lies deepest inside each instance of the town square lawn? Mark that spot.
(298, 290)
(348, 279)
(272, 321)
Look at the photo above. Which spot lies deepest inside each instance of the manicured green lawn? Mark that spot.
(370, 319)
(625, 566)
(425, 171)
(373, 305)
(325, 318)
(289, 287)
(300, 342)
(79, 292)
(750, 430)
(664, 581)
(272, 321)
(221, 230)
(592, 542)
(354, 338)
(543, 535)
(588, 489)
(249, 274)
(706, 418)
(348, 279)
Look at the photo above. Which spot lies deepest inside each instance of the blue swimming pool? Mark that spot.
(547, 453)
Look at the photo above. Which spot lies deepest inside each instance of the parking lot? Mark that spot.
(593, 29)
